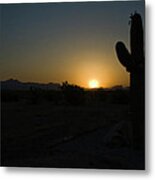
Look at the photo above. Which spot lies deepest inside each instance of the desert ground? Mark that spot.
(66, 136)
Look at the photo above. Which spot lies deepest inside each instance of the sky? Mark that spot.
(57, 42)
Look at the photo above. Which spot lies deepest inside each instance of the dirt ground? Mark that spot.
(65, 136)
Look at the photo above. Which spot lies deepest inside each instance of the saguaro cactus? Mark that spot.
(133, 61)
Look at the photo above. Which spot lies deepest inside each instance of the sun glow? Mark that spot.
(93, 83)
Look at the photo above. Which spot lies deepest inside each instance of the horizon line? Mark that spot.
(60, 83)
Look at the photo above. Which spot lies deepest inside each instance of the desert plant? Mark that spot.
(73, 94)
(134, 64)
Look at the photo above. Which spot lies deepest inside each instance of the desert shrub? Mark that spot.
(99, 96)
(73, 94)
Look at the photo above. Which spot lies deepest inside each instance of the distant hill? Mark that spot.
(13, 84)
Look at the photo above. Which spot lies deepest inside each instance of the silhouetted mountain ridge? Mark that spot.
(13, 84)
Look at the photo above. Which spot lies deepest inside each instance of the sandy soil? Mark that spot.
(65, 136)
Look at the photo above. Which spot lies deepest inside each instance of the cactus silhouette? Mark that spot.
(134, 61)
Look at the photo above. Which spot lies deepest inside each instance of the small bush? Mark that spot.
(73, 94)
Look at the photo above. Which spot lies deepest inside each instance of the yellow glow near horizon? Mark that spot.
(93, 83)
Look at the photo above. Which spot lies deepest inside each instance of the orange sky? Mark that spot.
(59, 42)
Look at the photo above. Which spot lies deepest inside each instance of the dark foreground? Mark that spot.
(46, 135)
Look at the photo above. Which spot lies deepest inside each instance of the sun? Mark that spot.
(93, 83)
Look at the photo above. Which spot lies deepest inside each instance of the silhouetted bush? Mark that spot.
(73, 94)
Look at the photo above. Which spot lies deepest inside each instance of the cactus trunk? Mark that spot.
(137, 108)
(134, 64)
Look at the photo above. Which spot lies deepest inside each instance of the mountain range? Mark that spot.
(13, 84)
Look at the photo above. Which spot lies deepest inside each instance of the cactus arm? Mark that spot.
(123, 55)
